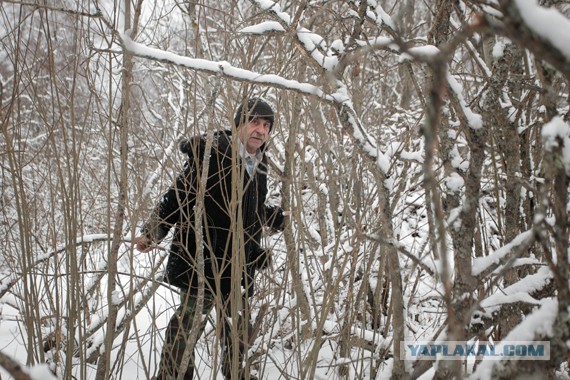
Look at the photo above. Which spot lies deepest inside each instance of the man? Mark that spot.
(233, 216)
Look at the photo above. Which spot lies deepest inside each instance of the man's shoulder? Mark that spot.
(190, 146)
(195, 145)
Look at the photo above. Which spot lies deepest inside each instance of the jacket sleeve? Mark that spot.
(179, 198)
(274, 217)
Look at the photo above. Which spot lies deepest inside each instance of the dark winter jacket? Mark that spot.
(221, 239)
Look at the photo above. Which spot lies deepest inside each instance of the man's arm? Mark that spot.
(275, 217)
(180, 197)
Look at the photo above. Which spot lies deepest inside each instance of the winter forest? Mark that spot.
(422, 147)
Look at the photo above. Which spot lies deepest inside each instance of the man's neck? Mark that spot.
(244, 152)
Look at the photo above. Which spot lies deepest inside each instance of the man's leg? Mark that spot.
(177, 334)
(239, 326)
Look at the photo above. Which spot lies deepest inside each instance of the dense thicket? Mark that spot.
(422, 147)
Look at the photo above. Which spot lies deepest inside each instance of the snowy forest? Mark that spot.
(422, 147)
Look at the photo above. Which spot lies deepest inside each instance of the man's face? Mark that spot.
(254, 134)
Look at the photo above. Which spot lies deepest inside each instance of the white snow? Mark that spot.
(480, 264)
(379, 14)
(419, 52)
(264, 27)
(379, 41)
(454, 183)
(268, 5)
(499, 47)
(457, 161)
(557, 132)
(475, 120)
(338, 46)
(314, 43)
(547, 23)
(41, 372)
(415, 156)
(519, 291)
(537, 325)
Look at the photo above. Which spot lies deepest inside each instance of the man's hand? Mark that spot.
(143, 243)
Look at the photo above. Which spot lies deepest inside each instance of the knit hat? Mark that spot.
(255, 107)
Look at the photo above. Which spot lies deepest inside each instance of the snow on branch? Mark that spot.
(275, 8)
(520, 291)
(485, 264)
(19, 372)
(556, 134)
(537, 325)
(219, 68)
(543, 31)
(313, 43)
(350, 121)
(267, 27)
(530, 290)
(474, 120)
(546, 23)
(378, 14)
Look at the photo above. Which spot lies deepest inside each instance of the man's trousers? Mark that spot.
(180, 327)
